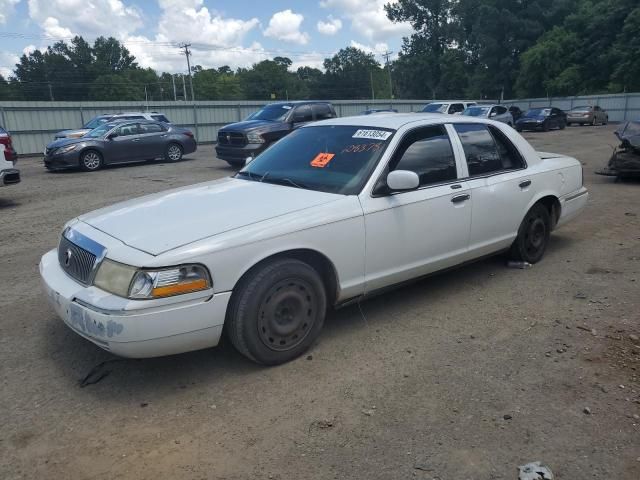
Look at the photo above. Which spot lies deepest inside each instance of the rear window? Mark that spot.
(160, 118)
(435, 108)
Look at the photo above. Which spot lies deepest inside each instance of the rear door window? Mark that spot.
(151, 128)
(428, 152)
(456, 108)
(510, 156)
(479, 148)
(128, 130)
(160, 118)
(322, 111)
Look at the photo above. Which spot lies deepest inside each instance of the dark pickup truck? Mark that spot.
(240, 140)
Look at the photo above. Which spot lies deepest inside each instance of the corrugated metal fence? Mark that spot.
(33, 124)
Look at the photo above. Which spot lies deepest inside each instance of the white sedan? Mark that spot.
(336, 211)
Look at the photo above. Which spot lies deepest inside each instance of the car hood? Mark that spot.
(533, 117)
(252, 125)
(67, 133)
(65, 141)
(158, 223)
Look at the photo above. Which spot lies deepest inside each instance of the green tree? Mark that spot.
(348, 74)
(626, 53)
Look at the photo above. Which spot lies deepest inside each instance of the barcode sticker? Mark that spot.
(373, 134)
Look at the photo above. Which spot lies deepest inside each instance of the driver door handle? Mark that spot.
(135, 140)
(460, 198)
(525, 184)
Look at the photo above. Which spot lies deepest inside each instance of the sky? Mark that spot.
(237, 33)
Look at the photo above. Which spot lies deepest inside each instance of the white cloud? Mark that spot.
(378, 49)
(285, 26)
(330, 27)
(6, 9)
(368, 18)
(59, 18)
(7, 60)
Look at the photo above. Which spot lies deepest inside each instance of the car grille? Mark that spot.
(76, 261)
(235, 139)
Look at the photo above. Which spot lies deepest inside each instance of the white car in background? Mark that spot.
(498, 113)
(9, 175)
(334, 212)
(452, 107)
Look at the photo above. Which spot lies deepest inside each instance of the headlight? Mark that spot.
(130, 282)
(66, 149)
(253, 137)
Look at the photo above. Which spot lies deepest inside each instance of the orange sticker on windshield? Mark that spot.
(322, 160)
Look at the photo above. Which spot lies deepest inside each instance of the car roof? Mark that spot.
(301, 102)
(453, 101)
(397, 120)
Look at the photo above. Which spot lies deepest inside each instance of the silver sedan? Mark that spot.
(499, 113)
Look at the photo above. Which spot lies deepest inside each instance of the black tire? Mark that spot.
(545, 127)
(518, 129)
(562, 125)
(533, 235)
(606, 120)
(277, 311)
(568, 124)
(91, 160)
(173, 153)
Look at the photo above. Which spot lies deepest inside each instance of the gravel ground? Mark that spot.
(465, 375)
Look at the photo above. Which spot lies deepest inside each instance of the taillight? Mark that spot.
(6, 155)
(188, 134)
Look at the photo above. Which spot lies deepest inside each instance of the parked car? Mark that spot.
(9, 175)
(238, 141)
(120, 141)
(515, 112)
(379, 110)
(542, 119)
(591, 115)
(499, 113)
(9, 151)
(452, 107)
(95, 122)
(265, 253)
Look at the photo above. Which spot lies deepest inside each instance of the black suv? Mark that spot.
(240, 140)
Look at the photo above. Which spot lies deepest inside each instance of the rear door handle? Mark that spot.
(456, 187)
(135, 140)
(525, 184)
(461, 198)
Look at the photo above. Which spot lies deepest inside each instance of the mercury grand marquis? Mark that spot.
(336, 211)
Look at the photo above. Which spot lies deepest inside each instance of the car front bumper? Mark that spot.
(66, 160)
(239, 154)
(580, 119)
(134, 328)
(529, 125)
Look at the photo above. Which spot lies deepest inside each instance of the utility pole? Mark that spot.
(184, 89)
(50, 92)
(387, 55)
(373, 95)
(187, 53)
(173, 81)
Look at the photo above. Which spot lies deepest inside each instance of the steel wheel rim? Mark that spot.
(286, 314)
(535, 235)
(174, 152)
(91, 160)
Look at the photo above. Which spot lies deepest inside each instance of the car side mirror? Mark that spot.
(493, 114)
(112, 135)
(400, 180)
(248, 160)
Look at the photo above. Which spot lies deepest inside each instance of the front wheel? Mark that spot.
(91, 160)
(533, 235)
(562, 125)
(173, 153)
(277, 311)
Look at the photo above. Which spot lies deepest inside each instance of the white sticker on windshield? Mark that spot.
(373, 134)
(286, 107)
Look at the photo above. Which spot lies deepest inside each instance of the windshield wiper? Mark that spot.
(252, 176)
(286, 181)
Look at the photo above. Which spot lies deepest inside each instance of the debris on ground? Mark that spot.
(368, 412)
(625, 161)
(98, 373)
(587, 411)
(519, 265)
(534, 471)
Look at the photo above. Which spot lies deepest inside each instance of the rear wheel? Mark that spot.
(533, 235)
(235, 164)
(545, 127)
(173, 153)
(606, 120)
(277, 311)
(91, 160)
(562, 125)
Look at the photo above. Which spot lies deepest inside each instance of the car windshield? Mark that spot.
(272, 113)
(101, 131)
(96, 122)
(539, 112)
(581, 109)
(332, 158)
(434, 108)
(477, 111)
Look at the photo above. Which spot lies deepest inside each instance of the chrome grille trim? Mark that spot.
(79, 256)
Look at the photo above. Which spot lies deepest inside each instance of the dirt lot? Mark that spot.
(462, 376)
